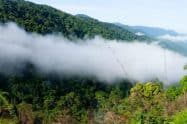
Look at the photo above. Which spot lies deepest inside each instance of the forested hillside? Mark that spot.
(31, 96)
(44, 19)
(34, 98)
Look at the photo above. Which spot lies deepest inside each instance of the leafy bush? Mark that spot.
(180, 118)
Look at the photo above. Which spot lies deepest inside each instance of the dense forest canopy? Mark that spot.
(35, 98)
(44, 19)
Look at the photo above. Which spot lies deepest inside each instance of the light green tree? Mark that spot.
(4, 103)
(146, 103)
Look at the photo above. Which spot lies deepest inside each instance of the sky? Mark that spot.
(169, 14)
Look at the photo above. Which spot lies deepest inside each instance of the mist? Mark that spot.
(179, 38)
(103, 59)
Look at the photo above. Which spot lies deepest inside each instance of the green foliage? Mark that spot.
(6, 108)
(102, 102)
(25, 113)
(71, 103)
(8, 121)
(47, 99)
(40, 98)
(173, 92)
(183, 84)
(180, 118)
(49, 20)
(146, 103)
(4, 103)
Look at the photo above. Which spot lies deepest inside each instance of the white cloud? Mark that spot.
(174, 38)
(106, 60)
(140, 34)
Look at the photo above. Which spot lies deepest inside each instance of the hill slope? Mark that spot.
(154, 31)
(44, 19)
(149, 31)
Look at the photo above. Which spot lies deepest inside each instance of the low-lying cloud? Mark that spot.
(179, 38)
(103, 59)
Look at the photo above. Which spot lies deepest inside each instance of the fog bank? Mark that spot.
(100, 58)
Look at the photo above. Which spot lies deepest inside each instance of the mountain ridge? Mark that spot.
(44, 19)
(148, 30)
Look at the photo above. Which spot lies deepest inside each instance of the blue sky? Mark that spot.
(169, 14)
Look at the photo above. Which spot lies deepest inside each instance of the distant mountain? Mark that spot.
(179, 47)
(153, 31)
(150, 31)
(44, 19)
(176, 46)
